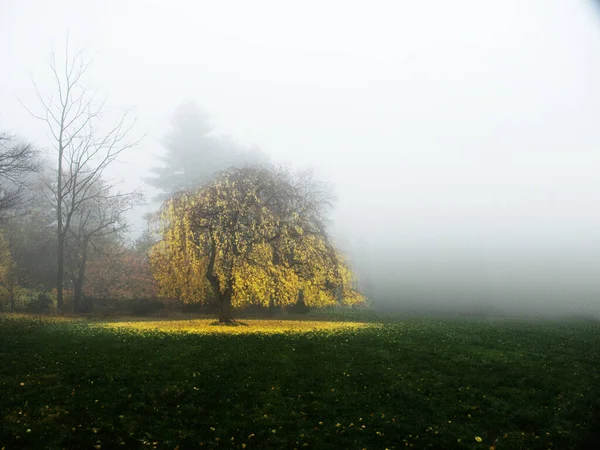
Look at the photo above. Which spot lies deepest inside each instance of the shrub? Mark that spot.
(200, 308)
(144, 306)
(34, 301)
(44, 301)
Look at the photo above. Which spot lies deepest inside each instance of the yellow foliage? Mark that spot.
(254, 237)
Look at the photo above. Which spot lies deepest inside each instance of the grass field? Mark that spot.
(416, 383)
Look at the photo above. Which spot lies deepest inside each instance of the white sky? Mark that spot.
(462, 138)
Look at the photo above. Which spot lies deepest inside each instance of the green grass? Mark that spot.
(417, 383)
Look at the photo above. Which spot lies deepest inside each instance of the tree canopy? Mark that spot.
(255, 235)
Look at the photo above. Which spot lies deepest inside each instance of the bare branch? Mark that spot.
(86, 206)
(17, 160)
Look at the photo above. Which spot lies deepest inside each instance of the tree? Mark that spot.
(121, 273)
(194, 153)
(255, 235)
(17, 160)
(85, 149)
(31, 240)
(98, 218)
(9, 272)
(27, 244)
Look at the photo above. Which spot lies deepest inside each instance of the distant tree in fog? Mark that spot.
(86, 145)
(194, 153)
(17, 162)
(99, 220)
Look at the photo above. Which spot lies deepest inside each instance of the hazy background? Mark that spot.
(462, 138)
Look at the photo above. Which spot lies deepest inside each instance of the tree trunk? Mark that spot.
(60, 273)
(59, 220)
(226, 309)
(271, 307)
(11, 299)
(300, 307)
(223, 298)
(78, 305)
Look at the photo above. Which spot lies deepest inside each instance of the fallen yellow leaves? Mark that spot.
(253, 326)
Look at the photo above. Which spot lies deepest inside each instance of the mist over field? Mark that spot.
(462, 139)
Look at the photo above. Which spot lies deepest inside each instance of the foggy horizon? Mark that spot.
(461, 141)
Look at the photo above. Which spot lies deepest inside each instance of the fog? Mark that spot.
(461, 138)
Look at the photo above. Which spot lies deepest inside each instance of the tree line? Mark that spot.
(232, 231)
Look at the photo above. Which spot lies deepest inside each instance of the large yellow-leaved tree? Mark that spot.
(255, 235)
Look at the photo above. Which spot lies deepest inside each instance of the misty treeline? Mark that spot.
(230, 229)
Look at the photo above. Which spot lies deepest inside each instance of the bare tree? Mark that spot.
(84, 146)
(17, 160)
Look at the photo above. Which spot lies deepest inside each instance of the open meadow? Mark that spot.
(416, 383)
